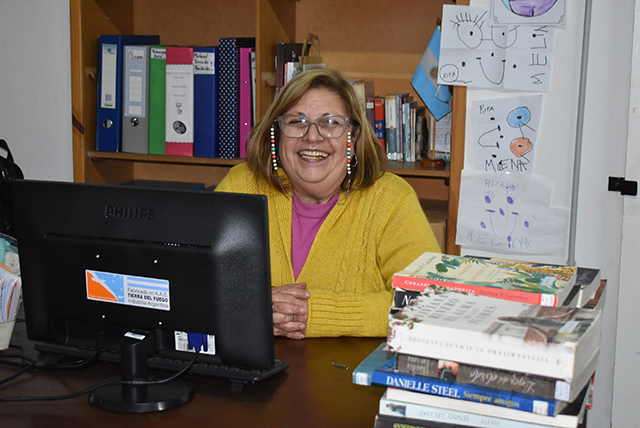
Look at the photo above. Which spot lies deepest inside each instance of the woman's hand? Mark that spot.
(290, 310)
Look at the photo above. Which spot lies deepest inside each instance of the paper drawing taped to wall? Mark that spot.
(473, 52)
(550, 12)
(506, 132)
(510, 213)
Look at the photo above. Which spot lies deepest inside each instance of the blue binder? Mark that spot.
(229, 94)
(205, 101)
(110, 79)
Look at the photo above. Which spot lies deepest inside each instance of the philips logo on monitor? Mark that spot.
(129, 290)
(132, 213)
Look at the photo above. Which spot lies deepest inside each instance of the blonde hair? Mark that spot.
(367, 148)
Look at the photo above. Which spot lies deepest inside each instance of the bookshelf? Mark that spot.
(366, 39)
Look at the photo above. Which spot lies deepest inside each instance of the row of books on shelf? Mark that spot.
(175, 100)
(404, 127)
(483, 356)
(200, 101)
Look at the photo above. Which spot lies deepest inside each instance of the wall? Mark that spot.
(35, 86)
(604, 136)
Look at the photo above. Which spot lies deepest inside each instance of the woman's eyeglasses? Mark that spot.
(330, 126)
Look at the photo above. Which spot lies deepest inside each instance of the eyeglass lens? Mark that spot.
(294, 126)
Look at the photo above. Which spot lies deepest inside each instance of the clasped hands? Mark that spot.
(290, 310)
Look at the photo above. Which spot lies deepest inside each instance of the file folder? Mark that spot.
(110, 80)
(135, 112)
(179, 107)
(229, 94)
(205, 83)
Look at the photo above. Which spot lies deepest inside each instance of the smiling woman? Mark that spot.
(339, 226)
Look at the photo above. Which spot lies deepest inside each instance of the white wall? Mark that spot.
(604, 136)
(35, 86)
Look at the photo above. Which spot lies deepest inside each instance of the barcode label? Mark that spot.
(541, 407)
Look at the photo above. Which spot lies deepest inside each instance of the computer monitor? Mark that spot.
(106, 265)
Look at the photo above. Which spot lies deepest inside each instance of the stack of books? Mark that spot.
(453, 358)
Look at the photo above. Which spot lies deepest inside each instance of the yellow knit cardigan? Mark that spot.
(377, 232)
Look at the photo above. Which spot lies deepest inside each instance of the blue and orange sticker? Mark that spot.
(129, 290)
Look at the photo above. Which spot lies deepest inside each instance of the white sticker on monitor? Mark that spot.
(206, 343)
(152, 293)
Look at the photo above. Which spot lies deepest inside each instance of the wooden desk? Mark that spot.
(311, 393)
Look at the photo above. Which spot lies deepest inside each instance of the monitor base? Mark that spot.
(141, 399)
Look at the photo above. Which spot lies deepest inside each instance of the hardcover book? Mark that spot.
(446, 324)
(539, 284)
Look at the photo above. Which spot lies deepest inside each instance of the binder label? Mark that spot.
(179, 104)
(159, 53)
(108, 76)
(152, 293)
(135, 82)
(203, 63)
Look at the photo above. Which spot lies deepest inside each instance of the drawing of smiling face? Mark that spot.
(502, 217)
(493, 67)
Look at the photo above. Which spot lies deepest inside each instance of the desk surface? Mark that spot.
(311, 393)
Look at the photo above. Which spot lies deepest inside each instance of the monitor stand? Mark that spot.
(140, 397)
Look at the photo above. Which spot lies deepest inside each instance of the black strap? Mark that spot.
(4, 145)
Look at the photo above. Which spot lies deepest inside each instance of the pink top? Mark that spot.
(306, 220)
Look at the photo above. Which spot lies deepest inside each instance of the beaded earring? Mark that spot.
(349, 152)
(349, 158)
(274, 159)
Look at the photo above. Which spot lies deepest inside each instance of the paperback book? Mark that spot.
(514, 381)
(388, 376)
(587, 282)
(421, 410)
(442, 323)
(391, 421)
(539, 284)
(379, 368)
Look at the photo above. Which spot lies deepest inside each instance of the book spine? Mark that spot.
(391, 123)
(427, 340)
(529, 297)
(378, 117)
(474, 393)
(388, 421)
(411, 414)
(487, 377)
(402, 297)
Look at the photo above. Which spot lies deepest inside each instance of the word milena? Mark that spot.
(131, 213)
